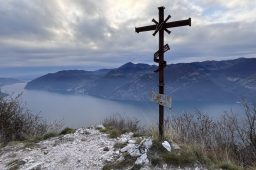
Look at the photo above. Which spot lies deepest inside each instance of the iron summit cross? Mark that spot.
(160, 27)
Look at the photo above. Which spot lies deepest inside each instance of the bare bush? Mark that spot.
(121, 125)
(232, 137)
(18, 123)
(194, 128)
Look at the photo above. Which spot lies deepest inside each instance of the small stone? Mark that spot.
(126, 148)
(82, 131)
(164, 166)
(45, 152)
(76, 142)
(109, 160)
(132, 141)
(69, 139)
(29, 160)
(87, 132)
(117, 152)
(123, 140)
(134, 152)
(143, 159)
(106, 149)
(100, 127)
(167, 146)
(79, 131)
(131, 134)
(145, 145)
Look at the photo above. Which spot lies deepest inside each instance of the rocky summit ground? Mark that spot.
(82, 150)
(87, 148)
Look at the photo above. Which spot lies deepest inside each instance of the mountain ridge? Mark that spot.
(227, 80)
(8, 81)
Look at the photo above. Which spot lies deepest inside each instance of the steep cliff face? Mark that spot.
(199, 81)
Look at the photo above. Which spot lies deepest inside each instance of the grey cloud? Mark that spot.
(35, 22)
(217, 41)
(89, 30)
(27, 19)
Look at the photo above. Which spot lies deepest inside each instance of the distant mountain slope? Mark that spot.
(222, 81)
(67, 82)
(8, 81)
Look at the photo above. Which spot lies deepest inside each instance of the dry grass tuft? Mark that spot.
(117, 125)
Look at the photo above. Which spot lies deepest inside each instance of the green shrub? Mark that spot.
(114, 133)
(229, 166)
(124, 164)
(15, 164)
(117, 125)
(49, 135)
(31, 145)
(103, 130)
(18, 123)
(67, 130)
(186, 156)
(179, 159)
(119, 145)
(156, 160)
(138, 134)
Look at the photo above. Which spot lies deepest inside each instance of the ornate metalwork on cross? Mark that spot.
(159, 27)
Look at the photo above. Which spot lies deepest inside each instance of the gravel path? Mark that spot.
(82, 150)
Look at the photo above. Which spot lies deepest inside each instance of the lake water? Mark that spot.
(76, 111)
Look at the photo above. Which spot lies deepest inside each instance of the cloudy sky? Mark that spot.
(98, 34)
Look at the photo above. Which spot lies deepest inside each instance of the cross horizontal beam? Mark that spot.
(166, 25)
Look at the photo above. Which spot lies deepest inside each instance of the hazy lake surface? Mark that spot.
(76, 111)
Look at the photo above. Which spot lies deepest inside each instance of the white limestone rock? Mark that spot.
(124, 138)
(132, 141)
(147, 143)
(134, 152)
(126, 148)
(142, 160)
(100, 127)
(130, 134)
(167, 146)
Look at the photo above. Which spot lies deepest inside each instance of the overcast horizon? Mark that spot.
(86, 34)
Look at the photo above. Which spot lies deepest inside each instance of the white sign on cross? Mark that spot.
(161, 99)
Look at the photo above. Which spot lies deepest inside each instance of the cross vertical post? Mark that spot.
(161, 73)
(160, 27)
